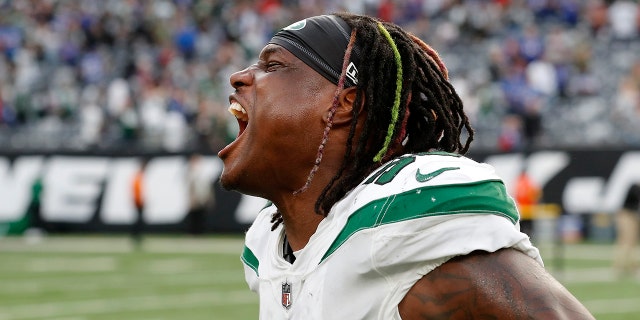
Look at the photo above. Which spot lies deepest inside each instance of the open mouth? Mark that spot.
(238, 111)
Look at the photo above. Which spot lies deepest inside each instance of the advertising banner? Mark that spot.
(92, 193)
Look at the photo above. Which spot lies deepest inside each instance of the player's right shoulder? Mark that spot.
(256, 238)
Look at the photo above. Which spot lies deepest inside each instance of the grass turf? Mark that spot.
(96, 277)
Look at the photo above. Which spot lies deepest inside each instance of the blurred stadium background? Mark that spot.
(88, 88)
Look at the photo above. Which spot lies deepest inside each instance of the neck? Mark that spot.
(298, 210)
(299, 218)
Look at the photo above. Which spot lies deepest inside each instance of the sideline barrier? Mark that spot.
(89, 192)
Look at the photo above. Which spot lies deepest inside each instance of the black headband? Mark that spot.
(320, 42)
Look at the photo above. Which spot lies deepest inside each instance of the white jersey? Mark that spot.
(404, 220)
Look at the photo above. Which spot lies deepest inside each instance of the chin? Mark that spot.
(227, 182)
(232, 182)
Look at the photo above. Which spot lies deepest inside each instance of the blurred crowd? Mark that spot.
(153, 75)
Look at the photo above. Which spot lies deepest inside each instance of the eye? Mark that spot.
(270, 66)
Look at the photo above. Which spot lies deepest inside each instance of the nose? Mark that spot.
(241, 78)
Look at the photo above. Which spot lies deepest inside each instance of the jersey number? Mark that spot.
(390, 170)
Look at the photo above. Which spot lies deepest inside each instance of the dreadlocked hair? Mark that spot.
(430, 114)
(421, 110)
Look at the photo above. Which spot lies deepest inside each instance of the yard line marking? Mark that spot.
(123, 244)
(72, 264)
(171, 266)
(136, 303)
(596, 252)
(613, 306)
(82, 284)
(587, 275)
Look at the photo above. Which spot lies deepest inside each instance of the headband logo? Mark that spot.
(297, 25)
(352, 73)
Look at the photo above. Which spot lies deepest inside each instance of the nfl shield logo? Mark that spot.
(286, 295)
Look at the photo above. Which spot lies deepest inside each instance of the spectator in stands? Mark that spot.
(623, 17)
(583, 82)
(558, 51)
(596, 17)
(194, 45)
(542, 77)
(627, 104)
(92, 118)
(531, 44)
(628, 93)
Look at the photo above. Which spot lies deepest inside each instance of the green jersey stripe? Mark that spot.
(482, 197)
(250, 259)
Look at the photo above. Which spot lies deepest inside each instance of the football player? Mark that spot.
(350, 127)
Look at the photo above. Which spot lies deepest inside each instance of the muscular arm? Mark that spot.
(502, 285)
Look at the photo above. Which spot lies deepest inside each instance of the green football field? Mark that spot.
(185, 278)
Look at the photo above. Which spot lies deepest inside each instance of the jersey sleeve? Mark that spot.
(419, 246)
(403, 253)
(422, 210)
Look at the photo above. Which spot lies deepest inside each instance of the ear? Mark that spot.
(344, 110)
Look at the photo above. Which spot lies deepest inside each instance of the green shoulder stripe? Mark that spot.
(250, 259)
(483, 197)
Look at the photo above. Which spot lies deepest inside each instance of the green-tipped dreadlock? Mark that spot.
(396, 101)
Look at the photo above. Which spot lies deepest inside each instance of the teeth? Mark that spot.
(238, 111)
